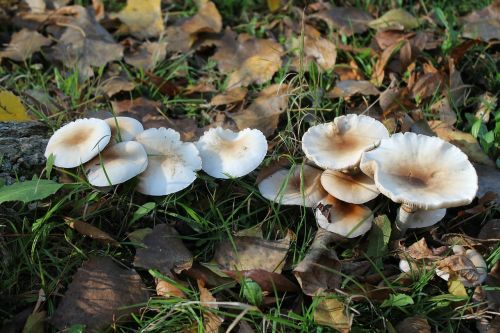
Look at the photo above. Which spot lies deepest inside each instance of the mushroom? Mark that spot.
(337, 146)
(78, 142)
(461, 269)
(171, 162)
(117, 164)
(228, 154)
(124, 128)
(425, 174)
(343, 218)
(299, 185)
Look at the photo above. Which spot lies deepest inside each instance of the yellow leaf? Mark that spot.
(273, 5)
(11, 108)
(142, 18)
(331, 312)
(455, 287)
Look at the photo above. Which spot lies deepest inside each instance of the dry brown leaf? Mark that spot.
(459, 266)
(85, 43)
(465, 141)
(483, 24)
(247, 59)
(136, 108)
(100, 294)
(487, 104)
(168, 290)
(319, 50)
(147, 55)
(265, 110)
(332, 312)
(91, 231)
(211, 321)
(316, 273)
(164, 251)
(249, 253)
(23, 44)
(379, 70)
(349, 71)
(36, 6)
(230, 96)
(444, 110)
(268, 281)
(426, 86)
(347, 20)
(351, 87)
(416, 324)
(114, 81)
(420, 250)
(142, 18)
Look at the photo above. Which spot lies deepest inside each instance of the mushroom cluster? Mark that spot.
(118, 149)
(361, 160)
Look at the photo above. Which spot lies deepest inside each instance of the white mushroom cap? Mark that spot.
(299, 185)
(228, 154)
(421, 172)
(356, 189)
(477, 260)
(171, 162)
(117, 164)
(425, 218)
(78, 142)
(343, 218)
(338, 145)
(127, 128)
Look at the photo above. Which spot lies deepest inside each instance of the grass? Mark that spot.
(39, 252)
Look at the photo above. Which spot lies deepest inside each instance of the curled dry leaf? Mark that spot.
(461, 267)
(147, 55)
(23, 44)
(247, 59)
(379, 71)
(211, 321)
(316, 273)
(347, 20)
(114, 82)
(84, 43)
(420, 250)
(395, 19)
(91, 231)
(351, 87)
(168, 290)
(101, 293)
(231, 96)
(265, 110)
(164, 251)
(249, 253)
(268, 281)
(332, 312)
(416, 324)
(142, 18)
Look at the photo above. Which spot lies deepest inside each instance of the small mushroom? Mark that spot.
(299, 185)
(228, 154)
(117, 164)
(467, 277)
(425, 174)
(78, 142)
(124, 128)
(337, 147)
(342, 218)
(172, 164)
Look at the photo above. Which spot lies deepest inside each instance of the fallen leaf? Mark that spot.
(113, 81)
(211, 321)
(319, 271)
(35, 323)
(318, 50)
(164, 251)
(84, 43)
(444, 110)
(90, 231)
(456, 288)
(23, 44)
(265, 110)
(349, 71)
(142, 18)
(168, 290)
(416, 324)
(247, 59)
(137, 236)
(147, 56)
(249, 253)
(347, 20)
(419, 250)
(483, 24)
(459, 266)
(489, 179)
(187, 127)
(487, 104)
(490, 230)
(427, 85)
(351, 87)
(273, 5)
(166, 87)
(136, 108)
(230, 96)
(332, 312)
(395, 19)
(11, 107)
(30, 190)
(268, 281)
(100, 294)
(465, 141)
(379, 70)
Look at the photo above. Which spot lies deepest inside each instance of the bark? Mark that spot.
(22, 145)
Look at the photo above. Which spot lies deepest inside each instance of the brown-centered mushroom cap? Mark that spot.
(124, 128)
(299, 185)
(78, 142)
(338, 145)
(353, 188)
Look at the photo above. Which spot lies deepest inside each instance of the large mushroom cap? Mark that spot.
(117, 164)
(171, 162)
(343, 218)
(338, 145)
(421, 172)
(124, 128)
(78, 142)
(356, 189)
(299, 185)
(228, 154)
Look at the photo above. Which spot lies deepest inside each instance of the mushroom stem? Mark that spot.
(404, 218)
